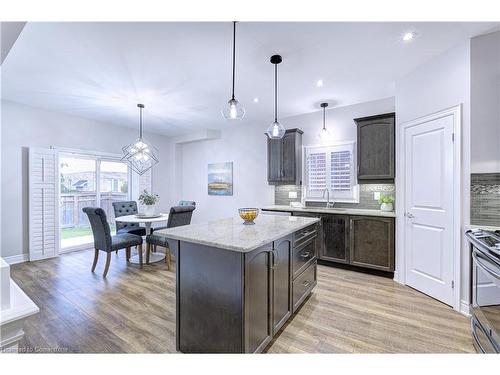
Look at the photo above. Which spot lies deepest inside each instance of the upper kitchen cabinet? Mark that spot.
(376, 148)
(284, 159)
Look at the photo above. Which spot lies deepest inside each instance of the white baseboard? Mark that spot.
(464, 307)
(396, 278)
(14, 259)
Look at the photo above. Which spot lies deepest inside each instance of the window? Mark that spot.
(88, 179)
(332, 168)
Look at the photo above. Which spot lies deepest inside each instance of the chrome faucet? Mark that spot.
(328, 203)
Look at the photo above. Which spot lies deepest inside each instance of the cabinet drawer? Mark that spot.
(302, 236)
(304, 255)
(303, 285)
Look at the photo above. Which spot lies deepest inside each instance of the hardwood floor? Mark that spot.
(133, 311)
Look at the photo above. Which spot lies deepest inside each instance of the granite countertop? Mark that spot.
(231, 234)
(324, 210)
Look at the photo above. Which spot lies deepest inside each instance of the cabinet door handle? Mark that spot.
(276, 259)
(305, 255)
(306, 283)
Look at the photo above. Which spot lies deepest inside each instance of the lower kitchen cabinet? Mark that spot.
(372, 242)
(335, 238)
(281, 283)
(362, 241)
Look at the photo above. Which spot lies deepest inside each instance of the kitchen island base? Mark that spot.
(235, 302)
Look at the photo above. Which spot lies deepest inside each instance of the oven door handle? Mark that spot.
(475, 336)
(481, 263)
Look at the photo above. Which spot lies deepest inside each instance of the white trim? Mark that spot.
(15, 259)
(456, 112)
(464, 308)
(89, 153)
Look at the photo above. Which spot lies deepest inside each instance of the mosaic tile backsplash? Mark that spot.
(366, 199)
(485, 199)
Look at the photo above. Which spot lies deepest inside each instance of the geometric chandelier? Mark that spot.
(140, 155)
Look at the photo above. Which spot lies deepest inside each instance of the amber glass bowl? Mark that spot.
(248, 215)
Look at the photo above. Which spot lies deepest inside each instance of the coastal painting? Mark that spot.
(220, 178)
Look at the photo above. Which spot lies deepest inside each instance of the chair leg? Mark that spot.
(106, 267)
(140, 255)
(127, 251)
(148, 249)
(96, 255)
(154, 248)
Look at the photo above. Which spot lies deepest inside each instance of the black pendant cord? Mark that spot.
(324, 118)
(275, 92)
(234, 54)
(141, 107)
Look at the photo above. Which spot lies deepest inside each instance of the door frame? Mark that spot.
(400, 273)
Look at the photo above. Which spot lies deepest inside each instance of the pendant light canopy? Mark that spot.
(324, 132)
(233, 110)
(276, 130)
(140, 155)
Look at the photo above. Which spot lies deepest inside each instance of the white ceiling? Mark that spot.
(182, 71)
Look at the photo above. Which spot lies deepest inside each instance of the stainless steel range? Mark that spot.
(485, 304)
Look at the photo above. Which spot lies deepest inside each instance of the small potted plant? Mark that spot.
(386, 202)
(148, 200)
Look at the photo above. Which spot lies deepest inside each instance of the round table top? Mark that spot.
(136, 219)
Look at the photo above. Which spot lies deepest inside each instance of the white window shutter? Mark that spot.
(43, 204)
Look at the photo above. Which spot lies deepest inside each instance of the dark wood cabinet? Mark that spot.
(376, 148)
(284, 158)
(258, 329)
(362, 241)
(335, 238)
(372, 242)
(281, 283)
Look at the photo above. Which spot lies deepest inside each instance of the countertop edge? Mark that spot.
(235, 248)
(343, 211)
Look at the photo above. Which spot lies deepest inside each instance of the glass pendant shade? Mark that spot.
(233, 110)
(276, 130)
(324, 134)
(140, 155)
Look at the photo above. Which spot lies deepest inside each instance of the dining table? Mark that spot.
(147, 222)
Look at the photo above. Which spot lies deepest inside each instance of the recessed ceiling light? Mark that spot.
(408, 36)
(319, 83)
(255, 100)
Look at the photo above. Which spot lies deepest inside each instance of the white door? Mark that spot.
(429, 205)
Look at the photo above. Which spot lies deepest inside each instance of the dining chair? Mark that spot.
(181, 203)
(178, 216)
(124, 208)
(104, 241)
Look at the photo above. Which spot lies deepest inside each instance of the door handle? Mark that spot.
(409, 215)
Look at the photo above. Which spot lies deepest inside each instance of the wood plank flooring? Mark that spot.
(133, 311)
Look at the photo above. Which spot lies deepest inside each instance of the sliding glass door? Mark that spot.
(88, 180)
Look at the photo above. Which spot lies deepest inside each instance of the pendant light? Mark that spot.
(324, 132)
(140, 155)
(276, 130)
(233, 110)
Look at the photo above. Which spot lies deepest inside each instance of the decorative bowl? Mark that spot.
(248, 215)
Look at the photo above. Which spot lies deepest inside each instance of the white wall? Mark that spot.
(485, 103)
(246, 147)
(24, 127)
(441, 83)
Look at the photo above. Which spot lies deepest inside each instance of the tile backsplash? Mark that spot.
(366, 199)
(485, 199)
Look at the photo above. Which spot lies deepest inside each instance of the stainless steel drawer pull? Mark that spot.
(306, 283)
(305, 255)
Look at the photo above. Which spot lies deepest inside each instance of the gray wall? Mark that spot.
(24, 127)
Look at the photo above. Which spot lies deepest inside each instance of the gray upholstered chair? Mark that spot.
(179, 215)
(124, 208)
(181, 203)
(104, 241)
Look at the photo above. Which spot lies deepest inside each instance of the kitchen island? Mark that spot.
(237, 285)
